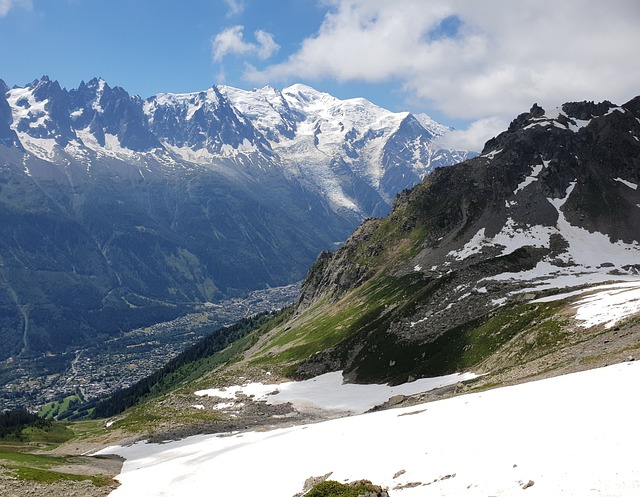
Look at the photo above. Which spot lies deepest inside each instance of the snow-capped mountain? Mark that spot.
(118, 211)
(352, 152)
(202, 126)
(552, 203)
(360, 155)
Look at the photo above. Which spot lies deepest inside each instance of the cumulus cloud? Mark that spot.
(475, 60)
(231, 41)
(7, 5)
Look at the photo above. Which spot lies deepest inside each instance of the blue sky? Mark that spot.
(468, 64)
(151, 46)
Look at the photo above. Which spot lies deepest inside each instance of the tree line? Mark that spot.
(206, 347)
(13, 422)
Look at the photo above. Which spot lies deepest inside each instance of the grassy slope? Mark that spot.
(32, 457)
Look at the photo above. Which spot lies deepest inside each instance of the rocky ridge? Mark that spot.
(551, 203)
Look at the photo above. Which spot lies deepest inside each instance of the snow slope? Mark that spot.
(328, 391)
(589, 257)
(329, 142)
(574, 435)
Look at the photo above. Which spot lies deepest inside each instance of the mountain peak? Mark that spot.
(355, 152)
(305, 96)
(586, 110)
(302, 88)
(97, 83)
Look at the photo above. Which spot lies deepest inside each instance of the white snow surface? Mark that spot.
(590, 258)
(186, 104)
(604, 304)
(491, 155)
(325, 130)
(574, 435)
(433, 127)
(29, 108)
(329, 392)
(631, 185)
(609, 305)
(531, 178)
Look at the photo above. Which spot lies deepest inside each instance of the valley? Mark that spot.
(322, 248)
(95, 372)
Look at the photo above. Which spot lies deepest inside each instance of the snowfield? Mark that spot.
(590, 258)
(329, 392)
(573, 435)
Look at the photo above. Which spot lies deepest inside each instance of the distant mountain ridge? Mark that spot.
(118, 211)
(355, 153)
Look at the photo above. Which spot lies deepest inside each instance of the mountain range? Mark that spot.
(518, 264)
(117, 212)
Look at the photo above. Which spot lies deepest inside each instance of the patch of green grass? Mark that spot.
(384, 358)
(397, 237)
(472, 344)
(55, 408)
(331, 488)
(48, 476)
(366, 309)
(15, 455)
(317, 334)
(86, 428)
(57, 433)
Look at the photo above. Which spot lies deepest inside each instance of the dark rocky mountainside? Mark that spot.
(551, 203)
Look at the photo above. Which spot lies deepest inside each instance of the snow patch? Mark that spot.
(329, 392)
(631, 185)
(503, 442)
(492, 154)
(609, 305)
(529, 179)
(473, 246)
(511, 237)
(43, 148)
(590, 257)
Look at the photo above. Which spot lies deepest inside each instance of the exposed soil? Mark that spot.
(19, 488)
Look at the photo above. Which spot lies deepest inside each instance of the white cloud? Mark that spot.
(266, 44)
(489, 59)
(474, 137)
(7, 5)
(231, 41)
(236, 7)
